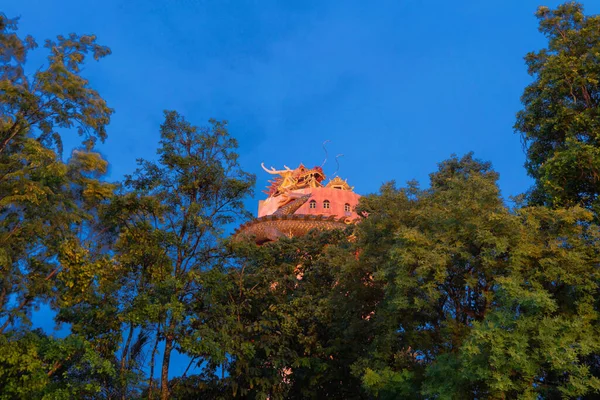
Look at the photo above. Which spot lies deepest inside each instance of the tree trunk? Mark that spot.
(124, 354)
(164, 379)
(152, 358)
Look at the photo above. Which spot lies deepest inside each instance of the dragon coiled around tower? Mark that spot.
(298, 202)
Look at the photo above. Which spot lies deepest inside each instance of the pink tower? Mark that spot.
(298, 201)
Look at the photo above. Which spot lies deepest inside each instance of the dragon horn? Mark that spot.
(271, 171)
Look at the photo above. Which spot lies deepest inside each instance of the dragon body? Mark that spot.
(292, 206)
(272, 227)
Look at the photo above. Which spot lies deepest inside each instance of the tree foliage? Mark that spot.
(55, 96)
(559, 122)
(481, 301)
(169, 218)
(302, 309)
(441, 292)
(47, 212)
(33, 365)
(46, 205)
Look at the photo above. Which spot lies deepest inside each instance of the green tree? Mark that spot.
(301, 307)
(540, 338)
(560, 121)
(48, 209)
(480, 301)
(170, 217)
(55, 96)
(45, 205)
(33, 365)
(437, 252)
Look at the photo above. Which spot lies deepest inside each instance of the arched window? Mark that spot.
(347, 207)
(326, 204)
(312, 204)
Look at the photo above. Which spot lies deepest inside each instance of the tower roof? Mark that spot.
(339, 183)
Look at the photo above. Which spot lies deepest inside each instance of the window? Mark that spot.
(312, 204)
(326, 204)
(347, 207)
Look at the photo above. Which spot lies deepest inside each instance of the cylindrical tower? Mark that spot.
(297, 202)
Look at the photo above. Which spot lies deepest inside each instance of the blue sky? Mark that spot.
(396, 86)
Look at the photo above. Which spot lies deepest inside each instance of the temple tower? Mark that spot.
(298, 201)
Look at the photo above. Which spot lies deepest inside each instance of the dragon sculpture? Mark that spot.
(284, 221)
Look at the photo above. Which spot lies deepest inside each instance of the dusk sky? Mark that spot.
(396, 86)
